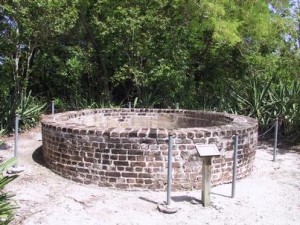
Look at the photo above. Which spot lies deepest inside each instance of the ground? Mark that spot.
(269, 196)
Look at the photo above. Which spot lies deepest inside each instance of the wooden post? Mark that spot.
(206, 152)
(206, 180)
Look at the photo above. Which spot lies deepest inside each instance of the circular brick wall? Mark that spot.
(128, 148)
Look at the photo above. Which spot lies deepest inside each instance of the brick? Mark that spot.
(82, 170)
(136, 146)
(91, 160)
(89, 155)
(187, 141)
(129, 174)
(112, 174)
(76, 158)
(114, 157)
(121, 163)
(148, 181)
(181, 135)
(122, 157)
(115, 140)
(147, 141)
(144, 175)
(138, 169)
(115, 134)
(140, 158)
(176, 165)
(158, 158)
(153, 147)
(102, 145)
(127, 146)
(124, 134)
(89, 176)
(118, 151)
(112, 180)
(163, 147)
(162, 134)
(143, 133)
(133, 133)
(106, 162)
(181, 147)
(152, 133)
(190, 135)
(155, 164)
(131, 158)
(70, 168)
(135, 152)
(130, 181)
(120, 168)
(139, 164)
(139, 181)
(111, 145)
(207, 134)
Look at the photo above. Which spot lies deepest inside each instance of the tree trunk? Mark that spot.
(100, 63)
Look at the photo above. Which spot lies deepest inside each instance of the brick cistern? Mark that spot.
(127, 148)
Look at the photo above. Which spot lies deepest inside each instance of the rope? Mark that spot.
(50, 104)
(266, 131)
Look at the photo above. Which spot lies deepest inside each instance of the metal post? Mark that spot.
(177, 105)
(129, 105)
(275, 140)
(52, 107)
(169, 181)
(17, 118)
(236, 140)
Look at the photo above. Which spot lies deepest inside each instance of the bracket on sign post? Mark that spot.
(206, 152)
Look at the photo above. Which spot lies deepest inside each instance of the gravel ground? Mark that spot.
(269, 196)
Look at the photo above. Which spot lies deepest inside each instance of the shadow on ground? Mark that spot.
(38, 157)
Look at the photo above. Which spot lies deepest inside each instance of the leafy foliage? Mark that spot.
(28, 108)
(203, 54)
(267, 101)
(7, 205)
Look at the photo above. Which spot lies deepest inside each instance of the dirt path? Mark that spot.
(271, 195)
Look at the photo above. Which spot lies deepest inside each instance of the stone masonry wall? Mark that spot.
(136, 158)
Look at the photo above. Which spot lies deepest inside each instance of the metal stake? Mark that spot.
(52, 107)
(275, 140)
(129, 105)
(169, 181)
(17, 118)
(236, 140)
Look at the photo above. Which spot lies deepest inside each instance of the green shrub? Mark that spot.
(267, 100)
(7, 205)
(30, 110)
(28, 107)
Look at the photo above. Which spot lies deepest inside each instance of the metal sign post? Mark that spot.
(169, 180)
(236, 141)
(275, 140)
(17, 119)
(168, 208)
(16, 168)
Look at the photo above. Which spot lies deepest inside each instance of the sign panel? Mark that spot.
(207, 150)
